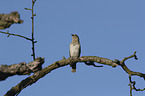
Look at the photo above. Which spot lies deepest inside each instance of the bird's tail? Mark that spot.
(73, 65)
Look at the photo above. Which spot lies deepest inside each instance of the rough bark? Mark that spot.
(21, 68)
(88, 60)
(6, 20)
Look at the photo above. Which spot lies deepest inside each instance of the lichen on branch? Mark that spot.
(21, 68)
(64, 62)
(88, 60)
(6, 20)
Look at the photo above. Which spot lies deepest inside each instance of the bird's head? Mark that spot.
(75, 37)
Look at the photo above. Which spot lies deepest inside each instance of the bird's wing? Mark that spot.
(79, 49)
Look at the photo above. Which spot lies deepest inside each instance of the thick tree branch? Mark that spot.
(64, 62)
(6, 20)
(21, 68)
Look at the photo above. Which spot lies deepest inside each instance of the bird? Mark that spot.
(74, 50)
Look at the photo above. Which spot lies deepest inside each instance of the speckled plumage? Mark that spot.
(75, 50)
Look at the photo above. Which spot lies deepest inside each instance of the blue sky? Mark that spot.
(111, 29)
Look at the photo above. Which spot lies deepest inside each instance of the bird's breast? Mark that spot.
(74, 50)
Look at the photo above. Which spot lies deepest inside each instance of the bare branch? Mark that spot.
(127, 70)
(32, 18)
(16, 35)
(132, 86)
(33, 43)
(21, 68)
(126, 58)
(64, 62)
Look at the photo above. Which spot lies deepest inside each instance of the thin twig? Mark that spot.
(127, 70)
(130, 84)
(134, 55)
(32, 17)
(16, 35)
(32, 10)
